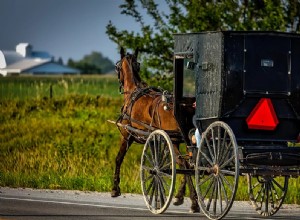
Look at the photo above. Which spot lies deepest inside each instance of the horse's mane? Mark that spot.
(136, 74)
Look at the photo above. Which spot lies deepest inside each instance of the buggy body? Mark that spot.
(237, 75)
(246, 86)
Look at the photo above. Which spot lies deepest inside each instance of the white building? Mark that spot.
(25, 60)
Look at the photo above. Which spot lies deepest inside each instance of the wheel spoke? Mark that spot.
(267, 197)
(217, 170)
(206, 157)
(278, 185)
(224, 180)
(158, 171)
(216, 197)
(223, 144)
(208, 188)
(146, 168)
(155, 149)
(220, 195)
(277, 197)
(148, 159)
(151, 147)
(228, 172)
(166, 166)
(166, 175)
(267, 194)
(211, 195)
(224, 190)
(214, 145)
(225, 155)
(161, 192)
(165, 154)
(165, 184)
(219, 144)
(227, 162)
(150, 190)
(206, 179)
(209, 149)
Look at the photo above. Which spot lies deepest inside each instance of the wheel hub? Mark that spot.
(215, 169)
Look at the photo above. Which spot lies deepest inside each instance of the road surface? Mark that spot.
(62, 204)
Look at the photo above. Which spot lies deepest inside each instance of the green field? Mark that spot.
(38, 87)
(54, 134)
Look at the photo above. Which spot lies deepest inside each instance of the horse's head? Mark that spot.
(128, 71)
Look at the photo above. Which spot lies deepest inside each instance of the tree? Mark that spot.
(93, 63)
(97, 59)
(155, 40)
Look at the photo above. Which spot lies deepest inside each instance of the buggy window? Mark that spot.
(188, 80)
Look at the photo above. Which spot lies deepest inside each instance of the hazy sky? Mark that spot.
(64, 28)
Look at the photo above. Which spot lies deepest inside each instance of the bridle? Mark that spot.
(135, 68)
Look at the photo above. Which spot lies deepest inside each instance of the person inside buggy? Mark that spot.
(195, 136)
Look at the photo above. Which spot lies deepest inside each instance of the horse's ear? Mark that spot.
(122, 52)
(136, 52)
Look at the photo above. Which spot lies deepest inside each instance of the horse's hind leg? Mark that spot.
(187, 179)
(179, 198)
(119, 159)
(193, 195)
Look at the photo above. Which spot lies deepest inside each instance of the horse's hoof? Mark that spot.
(115, 193)
(178, 201)
(195, 208)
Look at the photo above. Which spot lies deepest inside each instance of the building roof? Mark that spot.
(24, 60)
(9, 57)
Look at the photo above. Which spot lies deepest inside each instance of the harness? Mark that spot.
(126, 109)
(141, 90)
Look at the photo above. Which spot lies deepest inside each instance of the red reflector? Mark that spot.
(263, 116)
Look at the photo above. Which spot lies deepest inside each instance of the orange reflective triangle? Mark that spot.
(263, 116)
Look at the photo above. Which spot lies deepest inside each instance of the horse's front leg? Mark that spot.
(125, 144)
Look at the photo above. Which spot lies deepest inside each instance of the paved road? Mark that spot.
(58, 204)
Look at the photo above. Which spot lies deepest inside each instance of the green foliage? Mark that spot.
(155, 40)
(93, 63)
(85, 68)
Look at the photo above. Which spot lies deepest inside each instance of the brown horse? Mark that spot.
(144, 109)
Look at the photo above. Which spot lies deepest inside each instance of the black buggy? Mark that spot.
(247, 89)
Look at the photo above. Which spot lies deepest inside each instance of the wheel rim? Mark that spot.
(158, 171)
(217, 170)
(267, 193)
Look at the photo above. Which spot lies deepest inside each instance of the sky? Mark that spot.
(63, 28)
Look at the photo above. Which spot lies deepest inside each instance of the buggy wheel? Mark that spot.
(158, 171)
(217, 170)
(267, 193)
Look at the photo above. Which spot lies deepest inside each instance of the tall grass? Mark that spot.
(28, 87)
(64, 142)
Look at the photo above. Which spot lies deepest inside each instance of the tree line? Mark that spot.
(94, 63)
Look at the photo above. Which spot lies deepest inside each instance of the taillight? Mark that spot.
(263, 116)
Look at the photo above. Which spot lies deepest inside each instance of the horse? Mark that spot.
(142, 109)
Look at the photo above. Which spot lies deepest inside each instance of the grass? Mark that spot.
(27, 87)
(64, 142)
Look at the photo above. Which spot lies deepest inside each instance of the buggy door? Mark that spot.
(184, 91)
